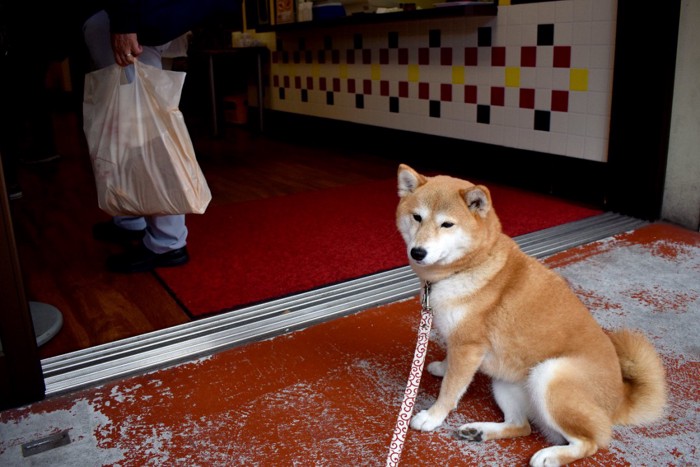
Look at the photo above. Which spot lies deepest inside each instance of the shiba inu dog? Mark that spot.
(507, 315)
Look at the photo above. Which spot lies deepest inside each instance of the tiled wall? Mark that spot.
(537, 76)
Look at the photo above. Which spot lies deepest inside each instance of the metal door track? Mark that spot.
(181, 343)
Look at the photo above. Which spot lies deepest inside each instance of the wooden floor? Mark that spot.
(64, 266)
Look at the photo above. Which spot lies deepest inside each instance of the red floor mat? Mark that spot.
(245, 253)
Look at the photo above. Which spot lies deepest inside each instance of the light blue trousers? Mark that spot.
(163, 233)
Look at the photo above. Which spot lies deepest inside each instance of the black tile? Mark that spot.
(542, 118)
(359, 101)
(393, 40)
(394, 105)
(545, 34)
(484, 37)
(329, 98)
(435, 109)
(483, 114)
(434, 38)
(357, 41)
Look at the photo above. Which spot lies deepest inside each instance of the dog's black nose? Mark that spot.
(418, 253)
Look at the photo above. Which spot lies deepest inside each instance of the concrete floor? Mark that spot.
(330, 394)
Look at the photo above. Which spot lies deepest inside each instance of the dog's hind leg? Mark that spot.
(563, 402)
(514, 402)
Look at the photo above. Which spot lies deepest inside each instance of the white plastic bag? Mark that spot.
(141, 151)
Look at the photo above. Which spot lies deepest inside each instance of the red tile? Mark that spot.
(528, 56)
(322, 85)
(527, 98)
(403, 56)
(560, 101)
(471, 56)
(498, 56)
(403, 88)
(384, 56)
(424, 56)
(423, 91)
(367, 86)
(446, 56)
(470, 94)
(384, 88)
(562, 57)
(351, 86)
(309, 82)
(498, 95)
(446, 92)
(297, 82)
(336, 84)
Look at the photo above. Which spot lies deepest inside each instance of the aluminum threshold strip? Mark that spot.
(207, 336)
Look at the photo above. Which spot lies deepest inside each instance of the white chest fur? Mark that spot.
(450, 299)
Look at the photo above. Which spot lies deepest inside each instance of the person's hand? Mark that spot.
(126, 48)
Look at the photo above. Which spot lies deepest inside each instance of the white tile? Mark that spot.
(599, 79)
(583, 10)
(563, 33)
(577, 124)
(529, 13)
(580, 56)
(582, 33)
(543, 99)
(596, 126)
(557, 143)
(564, 11)
(529, 35)
(575, 145)
(560, 78)
(545, 56)
(602, 32)
(598, 103)
(528, 78)
(601, 56)
(545, 78)
(559, 122)
(578, 102)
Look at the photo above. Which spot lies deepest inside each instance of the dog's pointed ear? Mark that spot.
(478, 200)
(409, 180)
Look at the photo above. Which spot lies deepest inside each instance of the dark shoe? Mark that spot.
(141, 259)
(40, 160)
(14, 192)
(108, 231)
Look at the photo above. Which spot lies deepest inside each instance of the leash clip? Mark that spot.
(425, 302)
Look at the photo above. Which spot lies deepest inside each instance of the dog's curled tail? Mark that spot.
(644, 379)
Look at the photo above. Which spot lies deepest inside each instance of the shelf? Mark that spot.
(486, 9)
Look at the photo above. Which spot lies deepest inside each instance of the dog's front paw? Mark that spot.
(424, 421)
(437, 368)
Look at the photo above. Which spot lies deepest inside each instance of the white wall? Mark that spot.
(681, 204)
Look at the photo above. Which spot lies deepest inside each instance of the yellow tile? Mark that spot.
(413, 73)
(512, 76)
(315, 69)
(376, 72)
(343, 70)
(578, 79)
(503, 2)
(457, 75)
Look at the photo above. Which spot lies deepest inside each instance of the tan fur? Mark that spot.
(505, 314)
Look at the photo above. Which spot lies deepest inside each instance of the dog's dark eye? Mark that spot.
(447, 225)
(417, 217)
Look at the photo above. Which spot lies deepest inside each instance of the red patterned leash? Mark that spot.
(409, 396)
